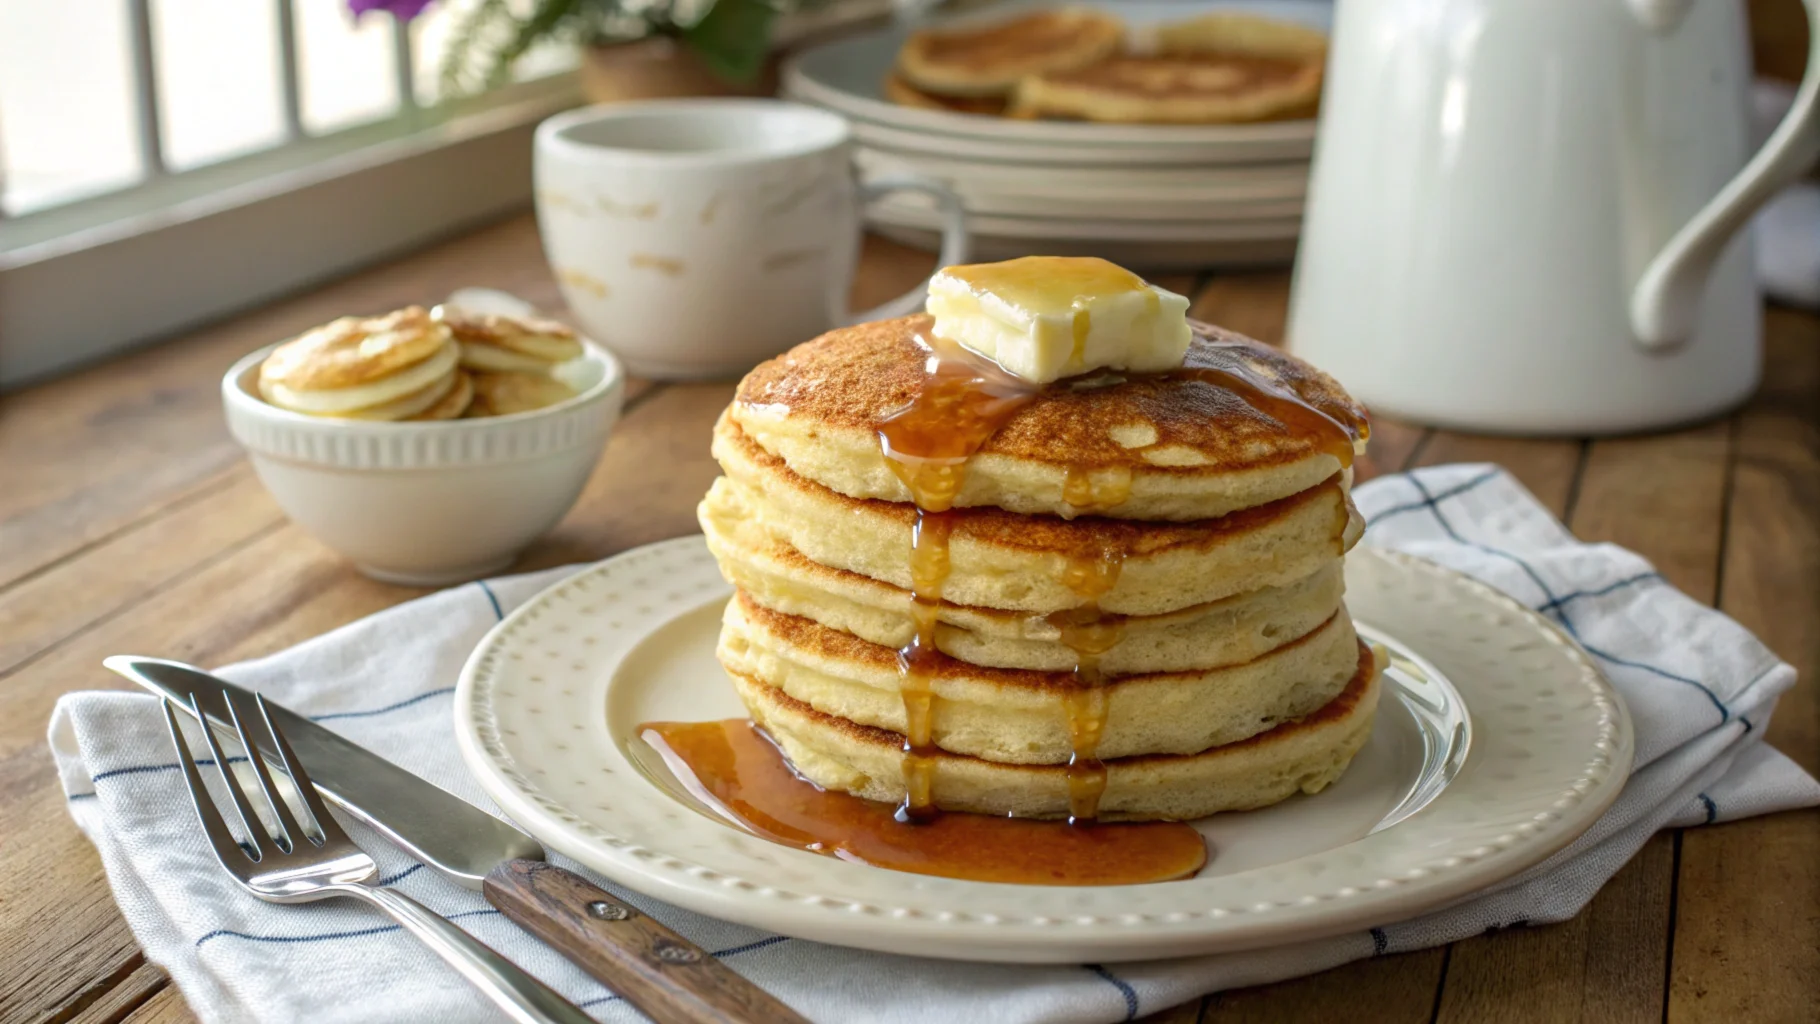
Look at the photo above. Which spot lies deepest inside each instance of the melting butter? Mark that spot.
(1047, 317)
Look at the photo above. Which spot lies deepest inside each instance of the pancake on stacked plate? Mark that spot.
(400, 366)
(1073, 64)
(1140, 609)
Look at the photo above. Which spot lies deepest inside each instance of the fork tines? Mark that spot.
(261, 843)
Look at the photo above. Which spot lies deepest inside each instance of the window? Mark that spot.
(132, 131)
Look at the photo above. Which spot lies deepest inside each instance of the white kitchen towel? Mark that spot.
(1699, 686)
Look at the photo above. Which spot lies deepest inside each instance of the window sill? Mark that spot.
(84, 281)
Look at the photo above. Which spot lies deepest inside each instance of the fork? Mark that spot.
(291, 865)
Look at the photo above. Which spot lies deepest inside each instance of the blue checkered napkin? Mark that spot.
(1701, 690)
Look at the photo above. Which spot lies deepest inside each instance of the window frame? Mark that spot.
(100, 275)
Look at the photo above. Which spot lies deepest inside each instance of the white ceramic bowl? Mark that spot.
(427, 503)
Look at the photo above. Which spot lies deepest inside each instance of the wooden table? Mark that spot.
(129, 522)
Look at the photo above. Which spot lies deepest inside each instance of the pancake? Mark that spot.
(1302, 756)
(1225, 632)
(408, 407)
(493, 342)
(502, 394)
(989, 59)
(1175, 88)
(1008, 561)
(1021, 717)
(400, 394)
(354, 350)
(453, 403)
(904, 94)
(1181, 447)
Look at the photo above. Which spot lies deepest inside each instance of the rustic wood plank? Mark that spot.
(1187, 1013)
(1747, 920)
(125, 999)
(1663, 497)
(132, 565)
(62, 941)
(1253, 303)
(166, 1006)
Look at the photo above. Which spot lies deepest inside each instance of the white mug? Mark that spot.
(1521, 212)
(696, 238)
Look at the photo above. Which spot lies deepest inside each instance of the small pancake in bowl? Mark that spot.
(502, 394)
(453, 404)
(387, 367)
(492, 342)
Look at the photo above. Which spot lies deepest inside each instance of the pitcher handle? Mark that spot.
(1666, 299)
(955, 241)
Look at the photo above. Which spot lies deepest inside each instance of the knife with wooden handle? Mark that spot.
(667, 977)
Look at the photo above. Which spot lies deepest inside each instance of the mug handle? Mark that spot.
(1666, 299)
(955, 241)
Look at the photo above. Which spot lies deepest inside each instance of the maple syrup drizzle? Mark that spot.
(963, 402)
(733, 768)
(1223, 364)
(1087, 632)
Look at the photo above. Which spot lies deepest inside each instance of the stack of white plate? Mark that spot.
(1158, 196)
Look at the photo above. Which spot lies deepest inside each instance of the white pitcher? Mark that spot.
(1524, 214)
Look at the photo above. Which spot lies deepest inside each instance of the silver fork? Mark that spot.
(295, 866)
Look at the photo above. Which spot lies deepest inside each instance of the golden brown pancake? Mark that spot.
(453, 403)
(988, 60)
(1224, 632)
(494, 342)
(1016, 716)
(1000, 559)
(502, 394)
(1179, 446)
(354, 350)
(904, 94)
(1302, 756)
(1181, 88)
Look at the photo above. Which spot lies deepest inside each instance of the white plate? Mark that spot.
(1189, 184)
(1436, 806)
(1123, 230)
(1147, 255)
(847, 76)
(1137, 214)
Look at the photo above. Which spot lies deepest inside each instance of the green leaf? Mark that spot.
(733, 38)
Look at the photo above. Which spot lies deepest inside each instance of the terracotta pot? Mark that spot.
(656, 68)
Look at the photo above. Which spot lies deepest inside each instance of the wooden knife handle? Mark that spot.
(669, 978)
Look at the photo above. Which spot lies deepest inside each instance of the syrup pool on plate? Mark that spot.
(732, 767)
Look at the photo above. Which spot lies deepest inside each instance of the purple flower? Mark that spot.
(403, 10)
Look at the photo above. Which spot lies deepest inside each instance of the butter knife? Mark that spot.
(669, 978)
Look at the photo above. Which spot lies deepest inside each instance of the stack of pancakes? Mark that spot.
(1142, 584)
(400, 366)
(1077, 64)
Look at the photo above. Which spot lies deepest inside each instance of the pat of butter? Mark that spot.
(1047, 317)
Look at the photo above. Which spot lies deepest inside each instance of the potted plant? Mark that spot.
(632, 49)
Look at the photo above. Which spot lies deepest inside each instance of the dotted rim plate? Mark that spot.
(1552, 746)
